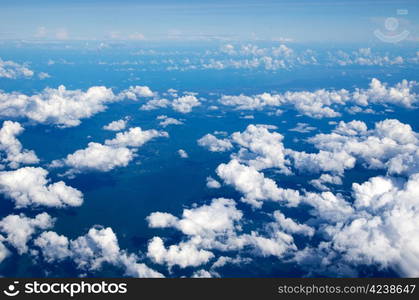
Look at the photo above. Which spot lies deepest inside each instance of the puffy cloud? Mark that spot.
(322, 103)
(62, 107)
(54, 247)
(116, 152)
(20, 228)
(266, 148)
(185, 104)
(96, 157)
(166, 121)
(303, 128)
(4, 252)
(324, 179)
(29, 187)
(391, 145)
(91, 251)
(15, 154)
(182, 153)
(212, 183)
(290, 226)
(116, 125)
(378, 92)
(254, 185)
(384, 229)
(13, 70)
(155, 104)
(184, 255)
(214, 144)
(136, 92)
(134, 137)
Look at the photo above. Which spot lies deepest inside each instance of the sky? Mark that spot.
(318, 21)
(209, 139)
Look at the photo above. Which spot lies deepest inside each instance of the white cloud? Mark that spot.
(13, 70)
(254, 186)
(323, 103)
(116, 125)
(182, 153)
(155, 104)
(91, 251)
(212, 183)
(96, 157)
(185, 104)
(303, 128)
(134, 137)
(184, 255)
(214, 144)
(20, 228)
(29, 187)
(166, 121)
(62, 107)
(136, 92)
(116, 152)
(54, 247)
(266, 148)
(15, 154)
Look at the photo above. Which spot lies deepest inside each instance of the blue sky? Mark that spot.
(301, 21)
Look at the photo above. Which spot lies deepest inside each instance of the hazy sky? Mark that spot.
(299, 20)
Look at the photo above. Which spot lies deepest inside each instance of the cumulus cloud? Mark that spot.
(254, 186)
(29, 186)
(90, 252)
(185, 104)
(184, 255)
(323, 103)
(13, 70)
(166, 121)
(214, 144)
(62, 107)
(212, 183)
(116, 125)
(383, 229)
(15, 155)
(116, 152)
(182, 153)
(390, 145)
(19, 229)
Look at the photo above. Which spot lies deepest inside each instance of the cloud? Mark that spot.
(10, 145)
(20, 228)
(390, 145)
(116, 152)
(383, 229)
(184, 255)
(182, 153)
(260, 148)
(303, 128)
(323, 103)
(214, 144)
(99, 246)
(185, 104)
(134, 137)
(116, 125)
(13, 70)
(62, 107)
(212, 183)
(166, 121)
(29, 186)
(155, 104)
(254, 186)
(96, 157)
